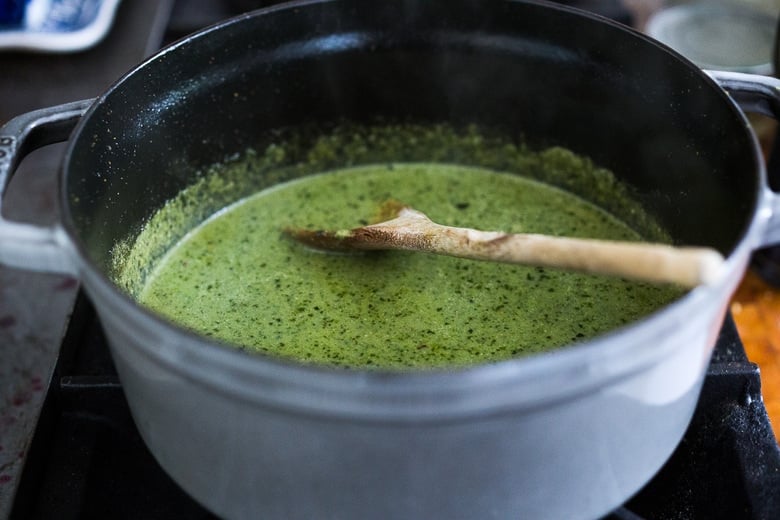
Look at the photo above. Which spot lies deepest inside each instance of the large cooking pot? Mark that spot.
(566, 434)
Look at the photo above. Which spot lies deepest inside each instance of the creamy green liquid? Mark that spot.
(238, 279)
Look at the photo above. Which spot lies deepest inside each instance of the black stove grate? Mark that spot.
(87, 459)
(728, 464)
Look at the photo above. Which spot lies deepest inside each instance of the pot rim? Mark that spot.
(436, 394)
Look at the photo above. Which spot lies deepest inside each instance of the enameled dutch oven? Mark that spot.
(571, 433)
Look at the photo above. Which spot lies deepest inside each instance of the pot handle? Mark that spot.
(753, 93)
(28, 246)
(757, 94)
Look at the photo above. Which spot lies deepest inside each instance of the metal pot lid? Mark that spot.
(732, 36)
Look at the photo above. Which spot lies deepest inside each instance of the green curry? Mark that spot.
(236, 278)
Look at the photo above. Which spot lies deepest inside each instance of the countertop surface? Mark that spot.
(34, 307)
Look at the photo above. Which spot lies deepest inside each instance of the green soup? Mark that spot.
(238, 279)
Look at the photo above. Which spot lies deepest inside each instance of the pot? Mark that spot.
(571, 433)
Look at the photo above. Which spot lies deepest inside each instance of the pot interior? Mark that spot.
(533, 73)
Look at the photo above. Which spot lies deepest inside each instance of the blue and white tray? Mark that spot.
(54, 25)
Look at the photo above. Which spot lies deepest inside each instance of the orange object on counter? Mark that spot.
(756, 310)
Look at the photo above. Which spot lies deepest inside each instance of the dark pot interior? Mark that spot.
(540, 73)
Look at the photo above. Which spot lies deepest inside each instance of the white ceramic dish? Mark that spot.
(59, 26)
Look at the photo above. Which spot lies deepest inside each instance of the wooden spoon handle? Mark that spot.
(685, 266)
(688, 267)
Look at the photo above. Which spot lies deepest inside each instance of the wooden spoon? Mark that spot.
(411, 230)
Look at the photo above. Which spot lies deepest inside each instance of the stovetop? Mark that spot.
(87, 459)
